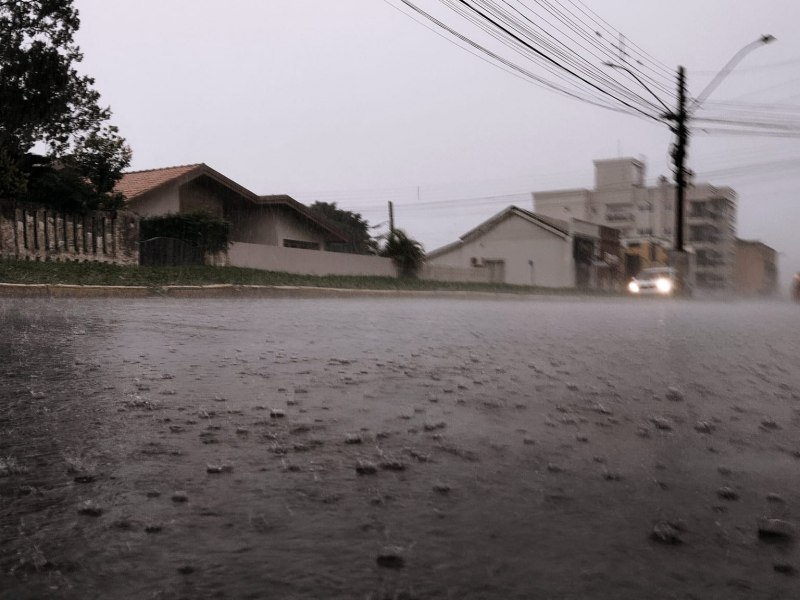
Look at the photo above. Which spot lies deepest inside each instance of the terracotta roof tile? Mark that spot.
(136, 183)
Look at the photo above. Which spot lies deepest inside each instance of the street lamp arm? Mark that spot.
(632, 74)
(726, 70)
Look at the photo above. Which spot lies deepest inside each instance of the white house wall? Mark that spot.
(518, 241)
(272, 225)
(255, 226)
(307, 262)
(290, 226)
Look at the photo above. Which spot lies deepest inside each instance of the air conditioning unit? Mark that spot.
(476, 262)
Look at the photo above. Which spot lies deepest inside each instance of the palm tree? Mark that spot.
(406, 253)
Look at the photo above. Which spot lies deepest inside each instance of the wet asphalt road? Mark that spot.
(521, 448)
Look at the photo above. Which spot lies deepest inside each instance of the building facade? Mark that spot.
(756, 272)
(273, 233)
(645, 217)
(277, 220)
(519, 247)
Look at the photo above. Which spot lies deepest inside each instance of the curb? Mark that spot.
(58, 290)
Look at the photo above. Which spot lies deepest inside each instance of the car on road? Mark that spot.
(662, 281)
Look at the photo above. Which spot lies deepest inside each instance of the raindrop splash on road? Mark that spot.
(388, 448)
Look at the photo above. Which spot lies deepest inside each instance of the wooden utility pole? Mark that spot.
(681, 131)
(391, 218)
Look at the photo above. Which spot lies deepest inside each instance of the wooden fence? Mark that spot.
(32, 232)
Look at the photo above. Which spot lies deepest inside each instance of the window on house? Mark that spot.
(300, 244)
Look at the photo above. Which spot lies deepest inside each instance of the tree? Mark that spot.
(54, 136)
(351, 224)
(406, 253)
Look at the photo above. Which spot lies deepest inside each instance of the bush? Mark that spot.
(406, 253)
(200, 229)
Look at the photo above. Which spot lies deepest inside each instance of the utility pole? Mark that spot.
(681, 131)
(391, 218)
(678, 120)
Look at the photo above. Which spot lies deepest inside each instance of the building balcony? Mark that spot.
(619, 218)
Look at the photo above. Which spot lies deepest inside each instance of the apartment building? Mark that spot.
(710, 231)
(645, 216)
(756, 268)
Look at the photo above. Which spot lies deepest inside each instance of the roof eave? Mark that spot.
(288, 201)
(199, 170)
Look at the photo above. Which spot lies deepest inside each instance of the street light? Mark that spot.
(679, 122)
(681, 129)
(725, 71)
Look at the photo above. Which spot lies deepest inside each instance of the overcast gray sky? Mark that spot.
(354, 102)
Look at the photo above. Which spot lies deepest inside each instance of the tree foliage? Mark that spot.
(351, 224)
(406, 253)
(200, 229)
(56, 143)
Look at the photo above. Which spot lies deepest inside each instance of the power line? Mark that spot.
(509, 37)
(581, 38)
(760, 67)
(584, 8)
(621, 52)
(591, 84)
(526, 74)
(503, 66)
(769, 88)
(749, 132)
(524, 51)
(760, 167)
(503, 199)
(751, 106)
(527, 77)
(755, 124)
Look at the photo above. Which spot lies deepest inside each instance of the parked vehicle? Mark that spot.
(662, 281)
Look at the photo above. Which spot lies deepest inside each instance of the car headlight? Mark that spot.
(633, 287)
(663, 285)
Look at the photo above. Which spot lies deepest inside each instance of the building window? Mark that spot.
(698, 210)
(704, 233)
(300, 244)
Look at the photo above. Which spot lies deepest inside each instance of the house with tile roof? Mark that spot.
(273, 232)
(277, 220)
(520, 247)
